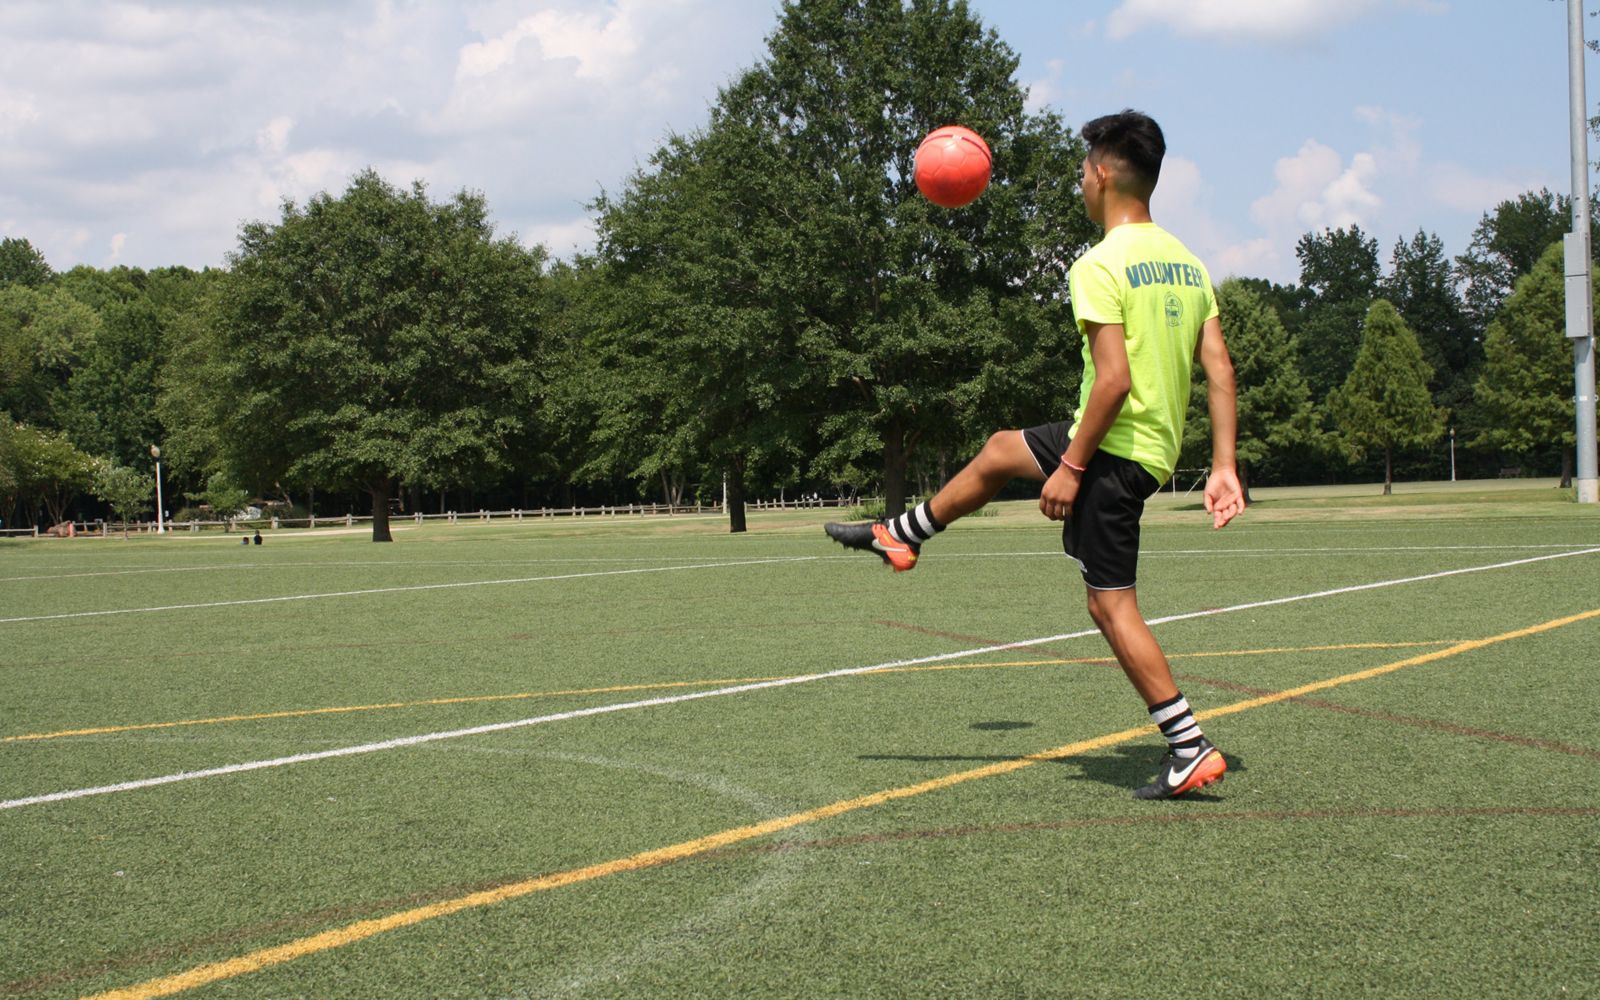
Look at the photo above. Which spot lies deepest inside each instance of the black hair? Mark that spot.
(1133, 138)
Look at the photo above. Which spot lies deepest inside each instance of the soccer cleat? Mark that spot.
(873, 536)
(1178, 775)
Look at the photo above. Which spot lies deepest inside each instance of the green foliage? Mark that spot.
(1339, 269)
(44, 468)
(126, 490)
(8, 471)
(822, 305)
(22, 264)
(108, 406)
(371, 337)
(1275, 410)
(1525, 392)
(1422, 286)
(225, 499)
(1384, 403)
(1506, 244)
(44, 335)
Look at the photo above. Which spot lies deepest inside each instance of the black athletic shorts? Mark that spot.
(1102, 532)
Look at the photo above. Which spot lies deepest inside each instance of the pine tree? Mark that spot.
(1384, 403)
(1274, 400)
(1525, 391)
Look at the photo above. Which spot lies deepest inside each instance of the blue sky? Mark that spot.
(144, 134)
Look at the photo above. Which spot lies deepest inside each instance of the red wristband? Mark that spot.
(1074, 468)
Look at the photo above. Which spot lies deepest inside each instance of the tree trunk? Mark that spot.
(894, 470)
(1244, 483)
(380, 509)
(736, 522)
(1566, 468)
(1388, 472)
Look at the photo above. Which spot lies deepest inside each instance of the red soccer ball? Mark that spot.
(952, 166)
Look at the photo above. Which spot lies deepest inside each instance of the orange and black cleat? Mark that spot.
(874, 537)
(1178, 775)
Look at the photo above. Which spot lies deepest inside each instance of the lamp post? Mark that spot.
(1452, 454)
(155, 453)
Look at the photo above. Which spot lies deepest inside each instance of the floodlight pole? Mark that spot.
(1576, 254)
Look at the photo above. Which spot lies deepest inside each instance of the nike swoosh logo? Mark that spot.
(1176, 776)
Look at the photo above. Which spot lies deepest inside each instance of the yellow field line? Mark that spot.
(363, 929)
(618, 688)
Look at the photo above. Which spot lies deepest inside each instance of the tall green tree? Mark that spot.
(1384, 403)
(1339, 268)
(1421, 284)
(44, 335)
(108, 405)
(928, 326)
(1275, 410)
(704, 362)
(46, 470)
(375, 337)
(778, 289)
(1505, 245)
(22, 264)
(1525, 392)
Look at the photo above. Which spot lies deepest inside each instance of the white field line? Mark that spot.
(401, 590)
(602, 560)
(408, 741)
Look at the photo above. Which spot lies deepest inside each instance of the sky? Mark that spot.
(145, 134)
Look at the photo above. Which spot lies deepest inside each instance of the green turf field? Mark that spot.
(1411, 808)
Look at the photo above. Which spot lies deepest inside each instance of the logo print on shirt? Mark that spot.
(1174, 309)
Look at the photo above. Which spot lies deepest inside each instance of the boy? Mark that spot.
(1145, 307)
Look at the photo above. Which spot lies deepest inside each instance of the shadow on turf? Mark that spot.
(1124, 767)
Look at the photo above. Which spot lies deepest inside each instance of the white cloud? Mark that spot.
(1456, 187)
(118, 241)
(1236, 20)
(273, 137)
(1315, 189)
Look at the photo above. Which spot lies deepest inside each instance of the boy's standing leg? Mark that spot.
(1191, 760)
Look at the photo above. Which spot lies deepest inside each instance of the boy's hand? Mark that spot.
(1224, 496)
(1060, 490)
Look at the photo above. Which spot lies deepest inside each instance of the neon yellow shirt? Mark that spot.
(1142, 278)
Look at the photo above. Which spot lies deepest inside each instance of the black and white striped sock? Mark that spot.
(1177, 724)
(916, 525)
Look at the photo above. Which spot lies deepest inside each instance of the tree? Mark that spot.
(45, 469)
(701, 348)
(127, 491)
(1275, 411)
(8, 470)
(108, 405)
(1339, 268)
(1384, 403)
(374, 338)
(21, 264)
(44, 334)
(224, 498)
(921, 325)
(1421, 285)
(1525, 392)
(1505, 245)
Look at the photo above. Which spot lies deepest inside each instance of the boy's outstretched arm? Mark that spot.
(1224, 495)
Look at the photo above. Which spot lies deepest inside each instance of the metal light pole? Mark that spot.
(155, 453)
(1580, 290)
(1452, 454)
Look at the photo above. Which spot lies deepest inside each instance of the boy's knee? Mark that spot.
(1106, 605)
(999, 453)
